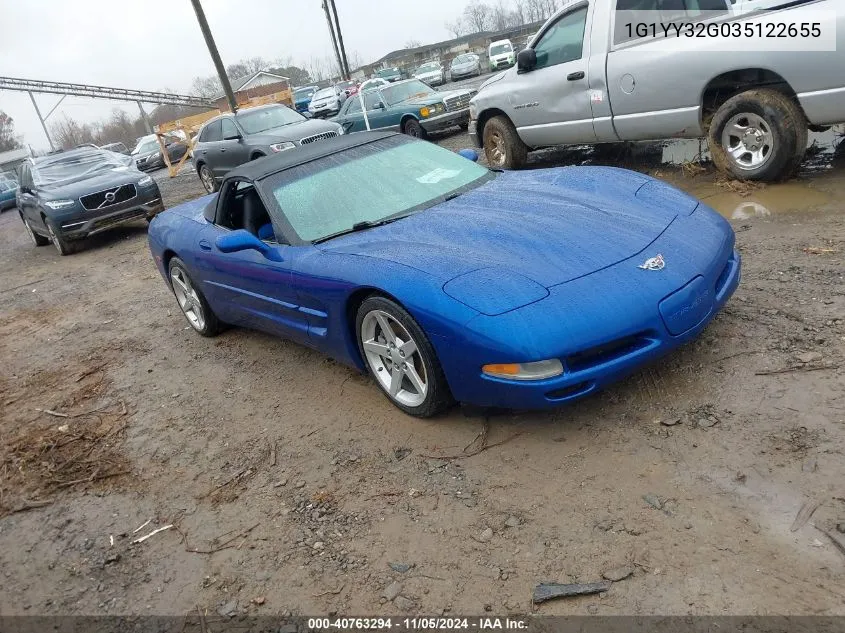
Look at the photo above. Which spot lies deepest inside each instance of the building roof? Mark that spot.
(257, 169)
(242, 83)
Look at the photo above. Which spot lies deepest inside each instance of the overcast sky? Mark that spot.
(157, 44)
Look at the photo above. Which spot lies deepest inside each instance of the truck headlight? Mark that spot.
(59, 204)
(537, 370)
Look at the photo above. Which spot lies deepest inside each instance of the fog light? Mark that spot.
(537, 370)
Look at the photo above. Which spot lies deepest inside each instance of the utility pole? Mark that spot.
(215, 55)
(345, 66)
(40, 118)
(334, 39)
(144, 116)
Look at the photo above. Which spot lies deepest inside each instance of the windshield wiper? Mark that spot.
(360, 226)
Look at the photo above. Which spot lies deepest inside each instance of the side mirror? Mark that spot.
(469, 154)
(526, 60)
(243, 240)
(233, 137)
(380, 105)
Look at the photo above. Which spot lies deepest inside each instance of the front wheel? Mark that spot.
(191, 300)
(38, 240)
(758, 135)
(502, 145)
(400, 358)
(64, 246)
(207, 179)
(413, 128)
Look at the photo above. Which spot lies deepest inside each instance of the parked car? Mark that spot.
(465, 65)
(8, 191)
(229, 140)
(147, 152)
(408, 106)
(67, 197)
(375, 82)
(451, 282)
(755, 108)
(349, 87)
(119, 148)
(389, 74)
(431, 73)
(501, 55)
(302, 97)
(326, 102)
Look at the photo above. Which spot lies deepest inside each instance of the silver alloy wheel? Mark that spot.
(188, 299)
(394, 358)
(498, 151)
(748, 141)
(54, 239)
(207, 178)
(29, 231)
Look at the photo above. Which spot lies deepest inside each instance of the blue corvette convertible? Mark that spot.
(447, 281)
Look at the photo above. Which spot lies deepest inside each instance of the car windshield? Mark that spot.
(303, 92)
(463, 59)
(146, 147)
(398, 93)
(255, 121)
(325, 92)
(67, 167)
(498, 49)
(345, 85)
(387, 72)
(425, 68)
(411, 176)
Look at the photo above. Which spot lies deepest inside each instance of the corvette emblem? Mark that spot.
(655, 263)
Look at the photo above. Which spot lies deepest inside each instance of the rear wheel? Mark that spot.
(38, 240)
(191, 300)
(207, 179)
(758, 135)
(413, 128)
(400, 358)
(502, 145)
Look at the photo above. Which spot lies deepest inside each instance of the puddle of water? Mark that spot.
(761, 203)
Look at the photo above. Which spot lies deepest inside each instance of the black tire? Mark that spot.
(786, 125)
(502, 145)
(38, 240)
(412, 127)
(207, 179)
(62, 244)
(438, 397)
(212, 326)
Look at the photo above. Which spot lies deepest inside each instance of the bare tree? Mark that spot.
(8, 138)
(69, 133)
(206, 86)
(455, 27)
(503, 17)
(477, 16)
(413, 43)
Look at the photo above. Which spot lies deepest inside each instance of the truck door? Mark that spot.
(551, 102)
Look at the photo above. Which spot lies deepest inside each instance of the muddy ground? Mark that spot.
(710, 483)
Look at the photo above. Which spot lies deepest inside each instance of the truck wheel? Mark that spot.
(758, 135)
(502, 145)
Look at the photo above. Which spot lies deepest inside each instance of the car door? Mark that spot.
(207, 149)
(550, 104)
(246, 288)
(233, 150)
(27, 201)
(351, 117)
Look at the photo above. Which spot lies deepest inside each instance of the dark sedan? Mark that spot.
(147, 153)
(233, 139)
(65, 197)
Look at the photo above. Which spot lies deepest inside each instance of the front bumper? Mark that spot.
(599, 337)
(461, 74)
(324, 112)
(81, 224)
(147, 164)
(447, 120)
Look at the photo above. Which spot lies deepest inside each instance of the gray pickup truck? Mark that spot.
(584, 79)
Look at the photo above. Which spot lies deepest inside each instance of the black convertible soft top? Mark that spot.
(257, 169)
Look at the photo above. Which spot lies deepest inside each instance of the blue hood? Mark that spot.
(548, 225)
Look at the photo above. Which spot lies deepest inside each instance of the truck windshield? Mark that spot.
(498, 49)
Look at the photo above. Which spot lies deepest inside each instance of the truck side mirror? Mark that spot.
(526, 60)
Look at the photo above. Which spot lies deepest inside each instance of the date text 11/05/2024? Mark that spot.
(417, 624)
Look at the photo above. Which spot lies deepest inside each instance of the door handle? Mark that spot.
(223, 149)
(205, 245)
(575, 76)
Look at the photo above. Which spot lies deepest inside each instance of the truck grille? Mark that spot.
(108, 197)
(317, 137)
(458, 103)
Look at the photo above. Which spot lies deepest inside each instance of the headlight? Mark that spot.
(145, 181)
(537, 370)
(60, 204)
(282, 147)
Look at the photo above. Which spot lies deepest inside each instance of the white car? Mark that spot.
(326, 102)
(431, 73)
(375, 82)
(501, 55)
